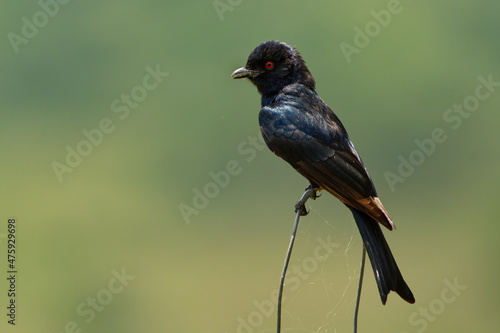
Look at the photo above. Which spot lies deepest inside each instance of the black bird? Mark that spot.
(299, 127)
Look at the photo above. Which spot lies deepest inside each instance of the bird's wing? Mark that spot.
(319, 148)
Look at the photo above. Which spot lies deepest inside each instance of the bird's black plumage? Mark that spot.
(299, 127)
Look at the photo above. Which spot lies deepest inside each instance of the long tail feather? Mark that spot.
(384, 266)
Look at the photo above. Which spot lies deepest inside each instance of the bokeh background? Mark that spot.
(118, 209)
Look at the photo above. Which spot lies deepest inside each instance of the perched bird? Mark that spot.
(299, 127)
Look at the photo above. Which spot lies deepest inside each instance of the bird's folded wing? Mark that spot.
(323, 153)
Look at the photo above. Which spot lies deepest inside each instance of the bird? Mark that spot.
(298, 126)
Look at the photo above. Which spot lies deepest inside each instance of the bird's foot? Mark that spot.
(311, 192)
(315, 194)
(301, 206)
(315, 191)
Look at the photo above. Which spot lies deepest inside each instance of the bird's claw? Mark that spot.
(315, 194)
(301, 205)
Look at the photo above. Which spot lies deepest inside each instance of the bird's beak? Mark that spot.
(242, 72)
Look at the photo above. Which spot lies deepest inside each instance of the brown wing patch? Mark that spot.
(327, 180)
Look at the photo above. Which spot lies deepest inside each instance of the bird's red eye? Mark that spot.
(269, 65)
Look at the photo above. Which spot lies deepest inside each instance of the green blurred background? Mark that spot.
(214, 271)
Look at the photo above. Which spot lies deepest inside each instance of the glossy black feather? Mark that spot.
(298, 126)
(384, 266)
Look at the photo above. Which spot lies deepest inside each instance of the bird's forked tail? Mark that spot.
(384, 266)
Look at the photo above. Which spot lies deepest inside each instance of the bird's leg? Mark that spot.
(316, 193)
(311, 192)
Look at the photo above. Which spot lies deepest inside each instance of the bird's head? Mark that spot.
(274, 65)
